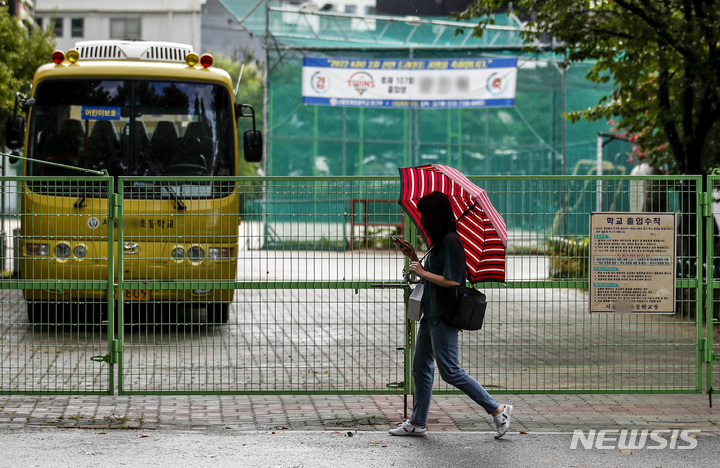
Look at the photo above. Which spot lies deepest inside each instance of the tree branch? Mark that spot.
(668, 125)
(661, 29)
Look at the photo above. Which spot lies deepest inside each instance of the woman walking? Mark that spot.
(437, 342)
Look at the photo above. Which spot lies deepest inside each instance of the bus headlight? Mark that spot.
(196, 254)
(62, 251)
(178, 253)
(37, 250)
(80, 251)
(219, 253)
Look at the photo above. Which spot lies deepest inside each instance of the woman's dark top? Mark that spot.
(446, 259)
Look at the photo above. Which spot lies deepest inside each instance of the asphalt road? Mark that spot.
(89, 448)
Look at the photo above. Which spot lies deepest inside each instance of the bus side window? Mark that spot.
(103, 144)
(164, 143)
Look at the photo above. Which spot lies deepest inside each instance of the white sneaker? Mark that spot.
(407, 429)
(502, 421)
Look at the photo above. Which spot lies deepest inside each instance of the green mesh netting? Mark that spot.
(532, 137)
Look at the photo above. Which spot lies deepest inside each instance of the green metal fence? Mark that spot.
(711, 271)
(50, 342)
(540, 336)
(316, 293)
(307, 315)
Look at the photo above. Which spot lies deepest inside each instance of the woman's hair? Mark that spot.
(436, 216)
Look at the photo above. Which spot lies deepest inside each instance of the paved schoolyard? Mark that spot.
(533, 413)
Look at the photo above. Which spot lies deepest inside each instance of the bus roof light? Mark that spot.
(192, 59)
(206, 60)
(58, 57)
(73, 56)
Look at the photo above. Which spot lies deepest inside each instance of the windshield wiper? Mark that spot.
(179, 205)
(80, 203)
(94, 191)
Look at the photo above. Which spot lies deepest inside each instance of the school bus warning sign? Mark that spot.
(632, 262)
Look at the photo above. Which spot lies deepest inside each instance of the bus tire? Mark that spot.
(218, 312)
(36, 312)
(45, 313)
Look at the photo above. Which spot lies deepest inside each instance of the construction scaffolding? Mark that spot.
(530, 138)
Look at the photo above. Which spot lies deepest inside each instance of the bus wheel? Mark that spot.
(45, 313)
(37, 312)
(218, 312)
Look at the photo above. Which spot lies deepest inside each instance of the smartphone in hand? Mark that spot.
(406, 248)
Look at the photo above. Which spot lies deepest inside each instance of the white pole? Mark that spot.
(599, 172)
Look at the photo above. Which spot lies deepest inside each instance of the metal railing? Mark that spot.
(309, 314)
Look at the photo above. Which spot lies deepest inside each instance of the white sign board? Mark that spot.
(632, 262)
(407, 83)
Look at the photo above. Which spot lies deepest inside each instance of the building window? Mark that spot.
(39, 22)
(370, 10)
(58, 27)
(125, 28)
(350, 9)
(77, 27)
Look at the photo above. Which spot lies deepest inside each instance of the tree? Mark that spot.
(25, 47)
(662, 57)
(250, 92)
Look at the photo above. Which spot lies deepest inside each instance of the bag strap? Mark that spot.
(426, 254)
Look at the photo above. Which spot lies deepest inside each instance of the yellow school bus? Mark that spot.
(155, 116)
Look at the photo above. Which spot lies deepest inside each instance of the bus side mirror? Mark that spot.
(14, 132)
(253, 146)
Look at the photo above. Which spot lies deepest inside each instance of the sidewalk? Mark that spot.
(555, 413)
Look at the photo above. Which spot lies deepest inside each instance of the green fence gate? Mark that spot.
(49, 341)
(708, 342)
(307, 314)
(315, 292)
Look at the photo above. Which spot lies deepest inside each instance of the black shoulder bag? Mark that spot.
(463, 308)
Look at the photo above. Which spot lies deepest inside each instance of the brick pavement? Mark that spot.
(533, 413)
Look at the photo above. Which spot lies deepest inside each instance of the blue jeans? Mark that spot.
(439, 344)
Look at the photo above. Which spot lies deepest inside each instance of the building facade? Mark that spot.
(421, 7)
(158, 20)
(355, 7)
(207, 25)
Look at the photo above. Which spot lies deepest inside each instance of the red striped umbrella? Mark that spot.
(480, 226)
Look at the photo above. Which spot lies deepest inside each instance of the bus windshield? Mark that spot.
(131, 128)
